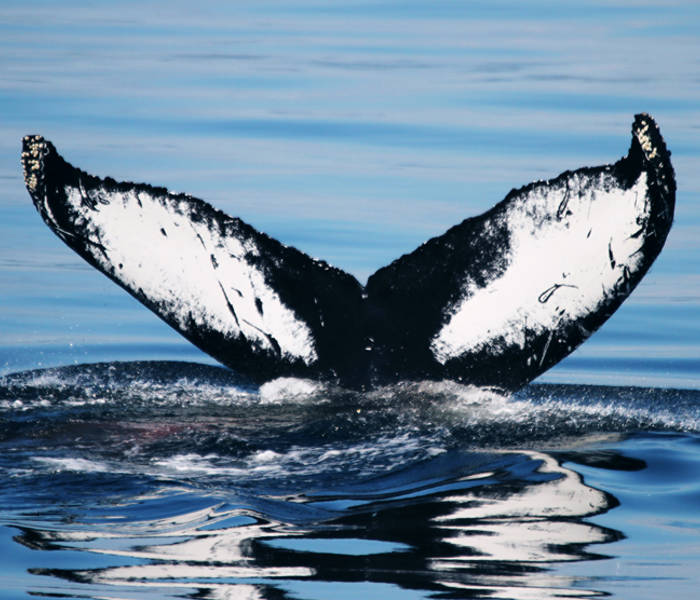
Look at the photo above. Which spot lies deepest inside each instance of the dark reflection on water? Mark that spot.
(472, 524)
(176, 480)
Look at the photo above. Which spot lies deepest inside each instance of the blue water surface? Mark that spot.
(353, 131)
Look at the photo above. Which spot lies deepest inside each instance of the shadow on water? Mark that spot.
(174, 480)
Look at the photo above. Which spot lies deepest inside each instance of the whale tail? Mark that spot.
(500, 298)
(254, 304)
(496, 300)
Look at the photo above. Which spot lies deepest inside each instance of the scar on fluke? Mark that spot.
(547, 294)
(495, 300)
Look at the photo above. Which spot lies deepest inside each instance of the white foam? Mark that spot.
(377, 454)
(266, 457)
(290, 389)
(78, 465)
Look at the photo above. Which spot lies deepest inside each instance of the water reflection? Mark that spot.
(485, 525)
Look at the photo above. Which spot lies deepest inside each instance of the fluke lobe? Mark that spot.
(496, 300)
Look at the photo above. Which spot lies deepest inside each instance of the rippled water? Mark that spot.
(171, 480)
(132, 467)
(176, 480)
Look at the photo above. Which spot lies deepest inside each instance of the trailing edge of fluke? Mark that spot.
(496, 300)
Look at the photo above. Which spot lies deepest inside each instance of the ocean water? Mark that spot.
(132, 466)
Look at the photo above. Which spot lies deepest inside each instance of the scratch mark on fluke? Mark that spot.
(547, 294)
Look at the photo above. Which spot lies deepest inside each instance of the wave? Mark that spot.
(153, 384)
(204, 424)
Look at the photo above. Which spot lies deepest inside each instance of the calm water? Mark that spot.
(132, 467)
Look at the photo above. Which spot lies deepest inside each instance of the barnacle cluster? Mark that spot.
(34, 149)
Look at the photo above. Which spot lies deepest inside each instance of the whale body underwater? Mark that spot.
(494, 301)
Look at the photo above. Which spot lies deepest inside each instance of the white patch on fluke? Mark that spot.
(569, 247)
(197, 274)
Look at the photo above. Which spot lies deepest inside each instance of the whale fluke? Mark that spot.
(500, 298)
(496, 300)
